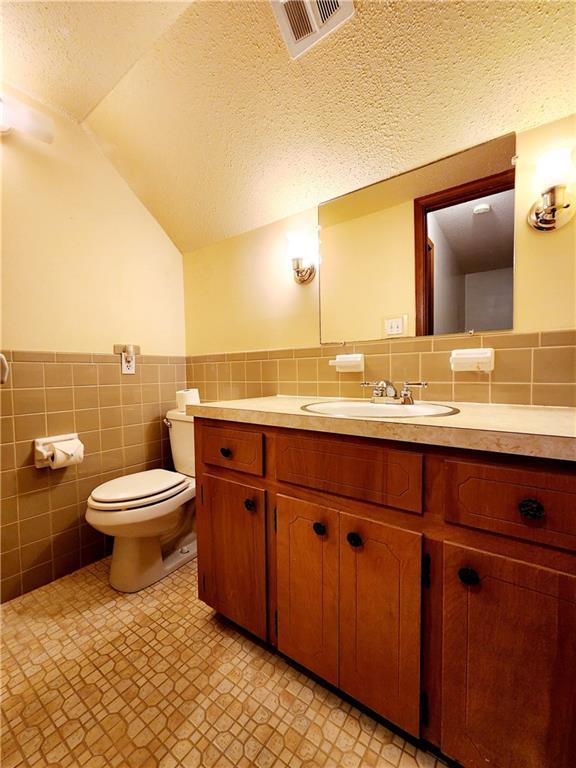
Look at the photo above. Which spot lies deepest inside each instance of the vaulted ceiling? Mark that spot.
(218, 131)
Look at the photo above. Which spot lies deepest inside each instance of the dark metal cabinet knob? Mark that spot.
(249, 504)
(226, 452)
(531, 509)
(469, 577)
(319, 529)
(354, 539)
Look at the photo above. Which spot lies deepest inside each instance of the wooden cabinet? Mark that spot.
(232, 552)
(349, 604)
(326, 533)
(509, 662)
(380, 578)
(307, 592)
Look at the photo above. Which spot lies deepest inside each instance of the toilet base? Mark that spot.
(137, 562)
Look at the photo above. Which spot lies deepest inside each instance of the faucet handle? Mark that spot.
(422, 384)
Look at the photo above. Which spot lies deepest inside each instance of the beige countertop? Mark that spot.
(523, 430)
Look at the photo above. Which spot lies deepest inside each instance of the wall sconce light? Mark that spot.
(302, 250)
(556, 205)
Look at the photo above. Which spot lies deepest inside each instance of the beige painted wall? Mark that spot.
(545, 262)
(240, 293)
(370, 274)
(84, 264)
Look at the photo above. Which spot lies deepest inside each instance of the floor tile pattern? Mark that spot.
(94, 678)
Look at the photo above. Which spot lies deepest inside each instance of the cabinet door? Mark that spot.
(307, 579)
(380, 580)
(509, 666)
(232, 552)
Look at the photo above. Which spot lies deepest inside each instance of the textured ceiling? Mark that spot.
(218, 131)
(71, 54)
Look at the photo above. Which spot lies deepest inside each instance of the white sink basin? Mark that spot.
(364, 409)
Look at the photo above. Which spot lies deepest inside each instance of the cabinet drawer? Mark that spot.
(234, 448)
(359, 471)
(528, 504)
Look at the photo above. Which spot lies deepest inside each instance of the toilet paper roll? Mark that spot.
(186, 397)
(66, 453)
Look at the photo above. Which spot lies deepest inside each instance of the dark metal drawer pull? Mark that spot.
(354, 539)
(249, 504)
(469, 577)
(319, 529)
(531, 509)
(226, 452)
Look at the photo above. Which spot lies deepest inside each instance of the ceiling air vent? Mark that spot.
(304, 22)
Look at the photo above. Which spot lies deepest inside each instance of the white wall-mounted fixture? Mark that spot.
(472, 359)
(395, 325)
(303, 23)
(4, 369)
(302, 250)
(348, 363)
(556, 206)
(15, 116)
(127, 354)
(58, 452)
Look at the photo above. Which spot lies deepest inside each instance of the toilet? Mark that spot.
(150, 514)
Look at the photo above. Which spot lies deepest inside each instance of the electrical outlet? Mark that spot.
(396, 326)
(128, 363)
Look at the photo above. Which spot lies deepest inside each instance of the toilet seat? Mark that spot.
(141, 489)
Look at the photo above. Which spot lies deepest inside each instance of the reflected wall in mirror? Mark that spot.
(368, 242)
(464, 243)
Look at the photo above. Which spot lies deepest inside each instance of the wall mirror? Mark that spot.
(433, 247)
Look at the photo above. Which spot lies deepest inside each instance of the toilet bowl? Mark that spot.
(150, 514)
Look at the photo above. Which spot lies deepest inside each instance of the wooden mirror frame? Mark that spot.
(490, 185)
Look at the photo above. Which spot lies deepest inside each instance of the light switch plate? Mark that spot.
(395, 325)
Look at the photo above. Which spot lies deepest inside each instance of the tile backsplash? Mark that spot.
(119, 420)
(530, 369)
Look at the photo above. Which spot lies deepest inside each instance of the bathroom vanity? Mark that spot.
(421, 568)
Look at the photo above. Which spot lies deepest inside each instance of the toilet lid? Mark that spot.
(186, 490)
(140, 485)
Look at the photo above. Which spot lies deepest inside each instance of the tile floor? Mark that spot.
(153, 680)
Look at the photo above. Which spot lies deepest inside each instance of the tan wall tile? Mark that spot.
(223, 372)
(6, 429)
(24, 453)
(238, 371)
(472, 393)
(9, 537)
(133, 435)
(27, 375)
(10, 588)
(31, 479)
(108, 374)
(326, 372)
(555, 365)
(85, 375)
(112, 460)
(58, 375)
(6, 408)
(253, 371)
(37, 577)
(30, 426)
(60, 423)
(448, 343)
(7, 456)
(33, 504)
(150, 374)
(34, 528)
(10, 563)
(132, 414)
(269, 371)
(63, 495)
(111, 438)
(167, 373)
(131, 394)
(91, 441)
(328, 389)
(518, 394)
(442, 391)
(92, 465)
(110, 417)
(511, 340)
(29, 401)
(405, 367)
(59, 399)
(73, 357)
(554, 394)
(9, 510)
(39, 357)
(307, 389)
(436, 366)
(87, 397)
(512, 365)
(377, 367)
(307, 370)
(259, 355)
(36, 553)
(558, 338)
(253, 389)
(472, 377)
(287, 370)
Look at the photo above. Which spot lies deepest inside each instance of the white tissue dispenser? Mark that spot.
(472, 359)
(348, 363)
(58, 451)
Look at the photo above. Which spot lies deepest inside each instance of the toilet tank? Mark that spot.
(182, 441)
